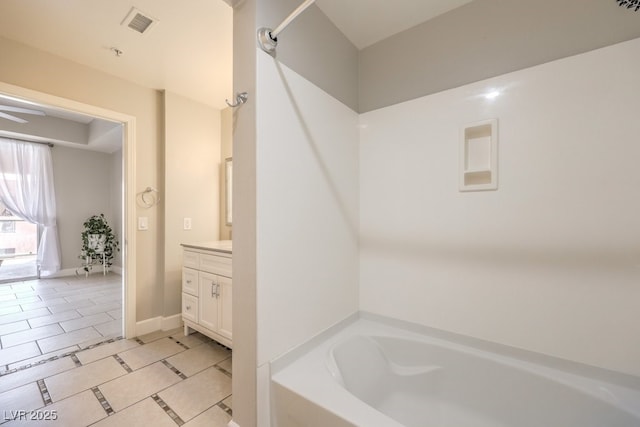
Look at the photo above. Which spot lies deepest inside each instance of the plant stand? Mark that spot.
(98, 245)
(91, 261)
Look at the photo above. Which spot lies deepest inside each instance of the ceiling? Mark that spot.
(366, 22)
(187, 51)
(190, 50)
(62, 127)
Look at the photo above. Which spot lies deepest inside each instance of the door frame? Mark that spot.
(129, 178)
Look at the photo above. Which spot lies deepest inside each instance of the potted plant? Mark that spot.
(98, 242)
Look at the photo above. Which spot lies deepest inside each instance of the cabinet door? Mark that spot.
(224, 318)
(208, 301)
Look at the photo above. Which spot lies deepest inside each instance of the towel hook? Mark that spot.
(241, 98)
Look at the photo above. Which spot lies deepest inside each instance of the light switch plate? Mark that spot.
(143, 223)
(187, 223)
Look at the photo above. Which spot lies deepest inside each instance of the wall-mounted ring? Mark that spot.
(149, 197)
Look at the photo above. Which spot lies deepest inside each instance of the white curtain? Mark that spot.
(26, 189)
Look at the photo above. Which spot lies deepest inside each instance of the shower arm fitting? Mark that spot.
(241, 98)
(268, 38)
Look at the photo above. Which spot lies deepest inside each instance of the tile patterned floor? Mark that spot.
(82, 376)
(40, 319)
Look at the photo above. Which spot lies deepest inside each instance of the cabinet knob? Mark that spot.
(188, 281)
(188, 307)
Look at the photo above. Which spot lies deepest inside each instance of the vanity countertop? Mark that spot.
(224, 246)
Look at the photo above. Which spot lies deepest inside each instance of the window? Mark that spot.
(7, 226)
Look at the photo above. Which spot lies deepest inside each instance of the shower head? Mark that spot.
(630, 4)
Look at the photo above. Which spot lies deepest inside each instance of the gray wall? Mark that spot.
(486, 38)
(482, 39)
(313, 47)
(84, 183)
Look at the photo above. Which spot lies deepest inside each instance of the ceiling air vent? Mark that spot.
(139, 22)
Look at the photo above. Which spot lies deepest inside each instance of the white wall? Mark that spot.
(307, 174)
(549, 261)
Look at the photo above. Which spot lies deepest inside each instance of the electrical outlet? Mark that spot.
(143, 223)
(187, 223)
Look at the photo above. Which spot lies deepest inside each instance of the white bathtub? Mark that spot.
(375, 374)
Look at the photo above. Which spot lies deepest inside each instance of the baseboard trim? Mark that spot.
(62, 273)
(147, 326)
(66, 272)
(171, 322)
(158, 323)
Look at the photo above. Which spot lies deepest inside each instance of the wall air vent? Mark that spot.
(139, 22)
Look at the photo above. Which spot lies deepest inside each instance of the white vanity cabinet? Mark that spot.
(207, 290)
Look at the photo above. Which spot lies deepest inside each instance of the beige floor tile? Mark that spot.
(86, 321)
(75, 380)
(42, 293)
(9, 328)
(10, 310)
(153, 336)
(18, 352)
(227, 365)
(70, 306)
(81, 410)
(21, 286)
(150, 353)
(54, 318)
(17, 301)
(7, 297)
(199, 358)
(100, 308)
(112, 328)
(145, 413)
(103, 299)
(30, 335)
(228, 401)
(138, 385)
(88, 294)
(5, 288)
(48, 345)
(116, 314)
(20, 378)
(212, 417)
(24, 398)
(196, 394)
(192, 340)
(23, 315)
(105, 350)
(99, 339)
(33, 360)
(40, 304)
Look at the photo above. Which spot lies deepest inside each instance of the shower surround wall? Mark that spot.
(295, 230)
(469, 263)
(549, 261)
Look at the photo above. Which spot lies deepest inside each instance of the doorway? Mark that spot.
(128, 238)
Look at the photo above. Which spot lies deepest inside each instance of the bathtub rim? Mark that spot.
(317, 350)
(573, 367)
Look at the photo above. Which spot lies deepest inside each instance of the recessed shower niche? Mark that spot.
(479, 156)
